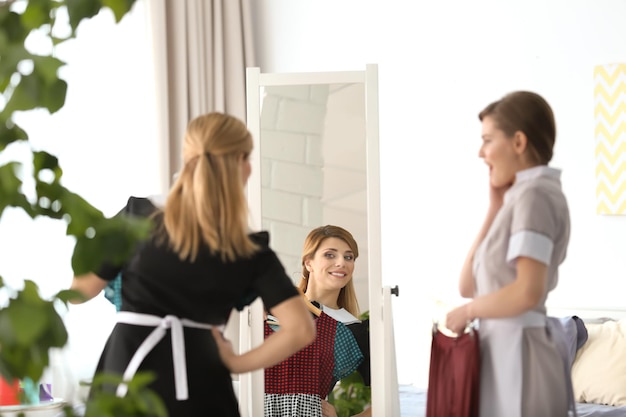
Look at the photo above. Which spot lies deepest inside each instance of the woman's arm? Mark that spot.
(297, 330)
(466, 280)
(89, 285)
(520, 296)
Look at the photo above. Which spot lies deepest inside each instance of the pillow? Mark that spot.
(599, 370)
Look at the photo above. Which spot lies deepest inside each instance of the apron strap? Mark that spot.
(161, 325)
(556, 330)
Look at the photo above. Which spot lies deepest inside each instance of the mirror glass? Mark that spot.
(313, 169)
(316, 162)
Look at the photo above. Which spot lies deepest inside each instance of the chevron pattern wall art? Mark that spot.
(610, 135)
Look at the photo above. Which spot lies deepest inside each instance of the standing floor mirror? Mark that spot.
(316, 162)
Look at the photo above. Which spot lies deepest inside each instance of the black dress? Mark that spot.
(157, 282)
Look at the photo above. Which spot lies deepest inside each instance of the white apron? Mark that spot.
(161, 325)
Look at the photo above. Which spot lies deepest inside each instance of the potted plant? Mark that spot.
(29, 325)
(351, 396)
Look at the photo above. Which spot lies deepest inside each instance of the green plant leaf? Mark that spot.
(30, 294)
(82, 214)
(10, 189)
(29, 327)
(13, 361)
(66, 295)
(113, 243)
(47, 67)
(56, 334)
(37, 13)
(37, 361)
(12, 55)
(12, 27)
(7, 332)
(9, 133)
(81, 9)
(119, 7)
(53, 97)
(140, 401)
(350, 396)
(33, 91)
(44, 161)
(26, 95)
(55, 193)
(30, 323)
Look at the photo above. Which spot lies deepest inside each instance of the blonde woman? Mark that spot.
(183, 281)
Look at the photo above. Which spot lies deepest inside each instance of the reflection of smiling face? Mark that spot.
(332, 265)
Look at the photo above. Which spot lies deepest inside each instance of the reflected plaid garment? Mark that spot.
(296, 386)
(113, 292)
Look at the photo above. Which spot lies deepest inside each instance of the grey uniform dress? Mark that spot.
(522, 371)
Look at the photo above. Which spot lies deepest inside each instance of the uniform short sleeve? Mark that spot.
(137, 207)
(272, 284)
(533, 228)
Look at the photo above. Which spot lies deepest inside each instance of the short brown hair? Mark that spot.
(527, 112)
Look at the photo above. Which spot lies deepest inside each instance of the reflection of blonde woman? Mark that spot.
(328, 262)
(181, 284)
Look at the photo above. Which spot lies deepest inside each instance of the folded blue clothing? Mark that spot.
(575, 335)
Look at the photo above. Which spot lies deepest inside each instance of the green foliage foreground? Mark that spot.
(30, 325)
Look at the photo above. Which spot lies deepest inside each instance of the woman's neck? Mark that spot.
(329, 299)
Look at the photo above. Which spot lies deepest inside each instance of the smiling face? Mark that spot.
(503, 155)
(331, 267)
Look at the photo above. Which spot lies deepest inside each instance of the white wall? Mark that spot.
(440, 63)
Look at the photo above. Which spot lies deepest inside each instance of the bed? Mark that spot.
(597, 341)
(599, 359)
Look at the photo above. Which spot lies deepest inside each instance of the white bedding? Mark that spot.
(596, 410)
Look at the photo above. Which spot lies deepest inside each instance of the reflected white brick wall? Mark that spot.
(313, 169)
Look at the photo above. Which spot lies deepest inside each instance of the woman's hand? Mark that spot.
(225, 348)
(496, 196)
(89, 285)
(458, 319)
(328, 410)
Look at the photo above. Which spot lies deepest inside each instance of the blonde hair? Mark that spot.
(347, 296)
(207, 204)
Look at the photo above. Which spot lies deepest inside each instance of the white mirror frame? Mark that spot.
(384, 392)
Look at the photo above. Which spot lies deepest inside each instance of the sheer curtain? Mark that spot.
(201, 50)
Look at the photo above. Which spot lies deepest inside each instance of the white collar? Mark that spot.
(536, 172)
(341, 315)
